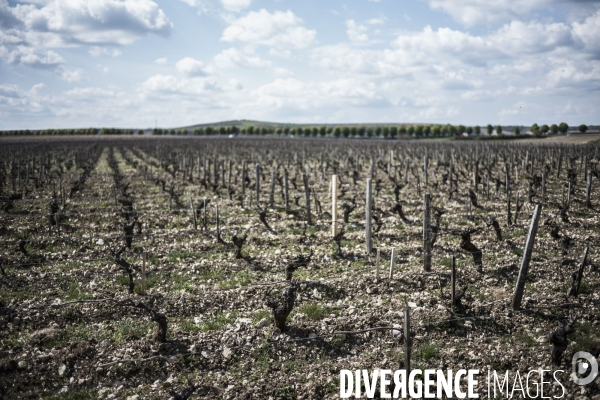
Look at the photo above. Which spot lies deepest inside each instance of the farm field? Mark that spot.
(155, 267)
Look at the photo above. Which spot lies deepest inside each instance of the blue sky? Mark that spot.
(135, 63)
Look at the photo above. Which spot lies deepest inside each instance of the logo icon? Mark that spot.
(584, 364)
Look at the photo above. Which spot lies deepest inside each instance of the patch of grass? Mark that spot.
(285, 392)
(73, 394)
(260, 315)
(314, 311)
(514, 234)
(188, 326)
(75, 333)
(517, 252)
(217, 322)
(585, 337)
(123, 280)
(181, 282)
(178, 255)
(427, 351)
(240, 278)
(585, 287)
(129, 329)
(75, 292)
(151, 281)
(261, 356)
(336, 343)
(524, 338)
(17, 295)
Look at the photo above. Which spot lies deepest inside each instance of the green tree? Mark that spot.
(410, 130)
(402, 130)
(208, 130)
(393, 131)
(535, 129)
(452, 131)
(477, 129)
(469, 130)
(361, 131)
(544, 129)
(337, 131)
(436, 131)
(353, 131)
(498, 130)
(385, 131)
(377, 131)
(345, 131)
(583, 128)
(490, 129)
(554, 129)
(517, 131)
(323, 131)
(461, 129)
(419, 130)
(563, 127)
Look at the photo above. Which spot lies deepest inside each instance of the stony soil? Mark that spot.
(70, 329)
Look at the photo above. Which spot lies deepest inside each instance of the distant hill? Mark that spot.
(244, 123)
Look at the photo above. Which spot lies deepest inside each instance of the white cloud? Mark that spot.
(94, 22)
(356, 33)
(236, 5)
(279, 29)
(211, 6)
(72, 75)
(283, 72)
(191, 67)
(167, 84)
(161, 61)
(30, 57)
(475, 12)
(97, 51)
(296, 94)
(232, 57)
(377, 21)
(588, 32)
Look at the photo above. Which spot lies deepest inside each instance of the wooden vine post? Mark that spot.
(377, 265)
(193, 213)
(518, 295)
(257, 184)
(307, 195)
(588, 191)
(286, 194)
(368, 207)
(333, 205)
(453, 282)
(427, 232)
(407, 341)
(272, 193)
(392, 261)
(144, 273)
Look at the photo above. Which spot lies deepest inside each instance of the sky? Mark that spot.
(174, 63)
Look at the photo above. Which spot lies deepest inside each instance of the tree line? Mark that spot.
(378, 131)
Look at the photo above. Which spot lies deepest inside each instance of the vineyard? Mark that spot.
(240, 268)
